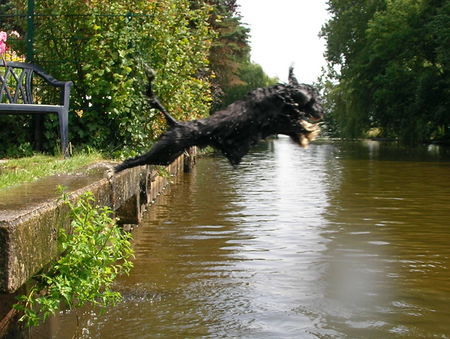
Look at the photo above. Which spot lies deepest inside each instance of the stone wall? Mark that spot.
(28, 230)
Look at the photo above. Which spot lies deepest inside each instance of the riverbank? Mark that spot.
(30, 215)
(18, 171)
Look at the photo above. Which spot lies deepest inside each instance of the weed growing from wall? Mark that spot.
(94, 252)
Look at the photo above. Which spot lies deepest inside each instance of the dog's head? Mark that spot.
(303, 107)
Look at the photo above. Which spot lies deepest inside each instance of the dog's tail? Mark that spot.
(153, 101)
(292, 79)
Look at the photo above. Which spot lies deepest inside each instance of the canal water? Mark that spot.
(340, 240)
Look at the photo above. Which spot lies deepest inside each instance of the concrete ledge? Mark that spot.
(30, 214)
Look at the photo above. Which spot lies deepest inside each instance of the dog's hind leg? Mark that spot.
(160, 154)
(132, 162)
(169, 146)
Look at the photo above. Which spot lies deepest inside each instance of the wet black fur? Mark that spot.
(234, 130)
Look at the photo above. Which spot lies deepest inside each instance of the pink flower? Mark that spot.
(3, 37)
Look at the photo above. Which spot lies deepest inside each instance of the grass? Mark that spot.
(17, 171)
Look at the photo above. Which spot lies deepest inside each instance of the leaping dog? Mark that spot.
(292, 109)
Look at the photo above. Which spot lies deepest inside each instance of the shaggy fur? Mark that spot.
(281, 109)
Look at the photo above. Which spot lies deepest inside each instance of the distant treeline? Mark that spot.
(198, 48)
(388, 71)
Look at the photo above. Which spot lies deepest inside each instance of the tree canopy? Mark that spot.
(389, 68)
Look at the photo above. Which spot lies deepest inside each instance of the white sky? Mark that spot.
(285, 32)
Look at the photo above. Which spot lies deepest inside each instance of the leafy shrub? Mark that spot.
(94, 252)
(101, 46)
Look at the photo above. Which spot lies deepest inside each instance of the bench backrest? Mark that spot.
(16, 82)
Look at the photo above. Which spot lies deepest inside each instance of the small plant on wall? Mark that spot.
(94, 252)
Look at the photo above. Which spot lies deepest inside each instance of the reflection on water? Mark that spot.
(339, 240)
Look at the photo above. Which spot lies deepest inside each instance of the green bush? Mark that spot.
(102, 46)
(94, 252)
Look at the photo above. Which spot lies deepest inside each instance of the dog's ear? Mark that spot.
(292, 79)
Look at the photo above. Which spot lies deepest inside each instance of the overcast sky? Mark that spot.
(285, 32)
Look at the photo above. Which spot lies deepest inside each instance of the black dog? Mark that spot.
(286, 109)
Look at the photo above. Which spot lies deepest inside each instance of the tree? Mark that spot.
(345, 35)
(103, 45)
(405, 70)
(230, 48)
(394, 73)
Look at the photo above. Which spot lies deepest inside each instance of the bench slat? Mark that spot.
(23, 108)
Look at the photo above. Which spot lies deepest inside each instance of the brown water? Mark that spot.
(343, 240)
